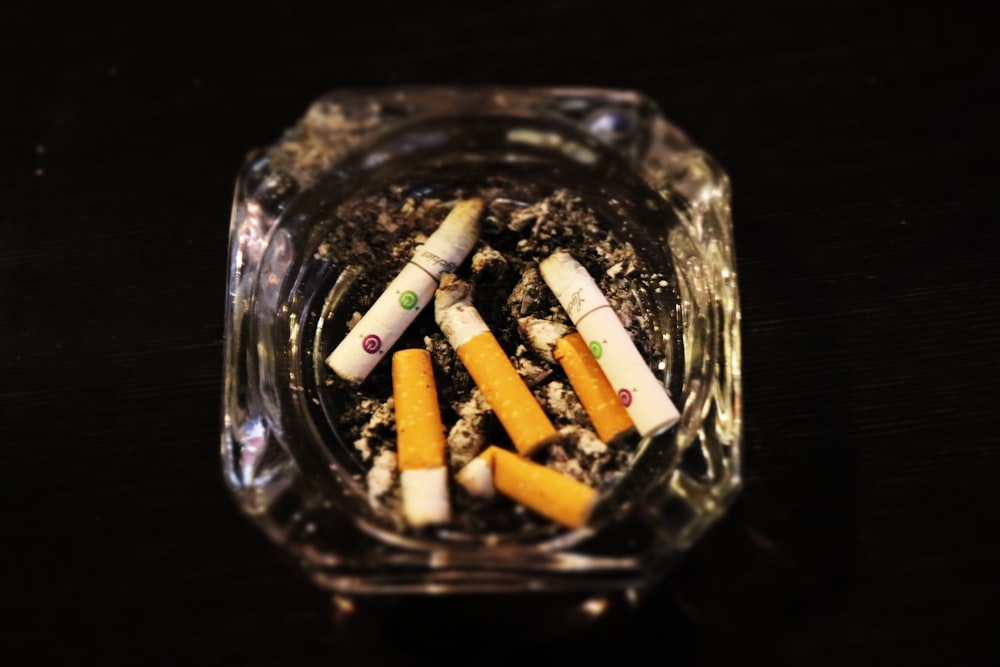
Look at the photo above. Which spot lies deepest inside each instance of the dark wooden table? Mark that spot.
(862, 145)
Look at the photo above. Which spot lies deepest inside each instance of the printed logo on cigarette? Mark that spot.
(575, 302)
(439, 261)
(371, 343)
(595, 349)
(408, 299)
(625, 396)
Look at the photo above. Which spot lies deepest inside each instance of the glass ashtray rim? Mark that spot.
(637, 98)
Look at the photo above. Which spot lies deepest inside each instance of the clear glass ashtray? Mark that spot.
(327, 217)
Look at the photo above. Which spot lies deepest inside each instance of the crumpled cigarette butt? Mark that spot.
(510, 399)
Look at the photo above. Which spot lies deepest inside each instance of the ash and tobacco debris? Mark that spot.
(520, 227)
(467, 437)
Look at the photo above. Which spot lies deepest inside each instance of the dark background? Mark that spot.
(862, 146)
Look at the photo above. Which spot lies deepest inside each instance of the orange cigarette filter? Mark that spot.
(513, 403)
(596, 394)
(544, 490)
(420, 440)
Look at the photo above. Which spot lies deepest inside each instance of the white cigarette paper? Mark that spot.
(644, 396)
(477, 478)
(406, 296)
(425, 496)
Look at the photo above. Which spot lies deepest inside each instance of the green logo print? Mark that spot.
(596, 349)
(408, 299)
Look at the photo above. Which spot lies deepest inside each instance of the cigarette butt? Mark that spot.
(420, 440)
(408, 293)
(643, 396)
(599, 399)
(509, 397)
(546, 491)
